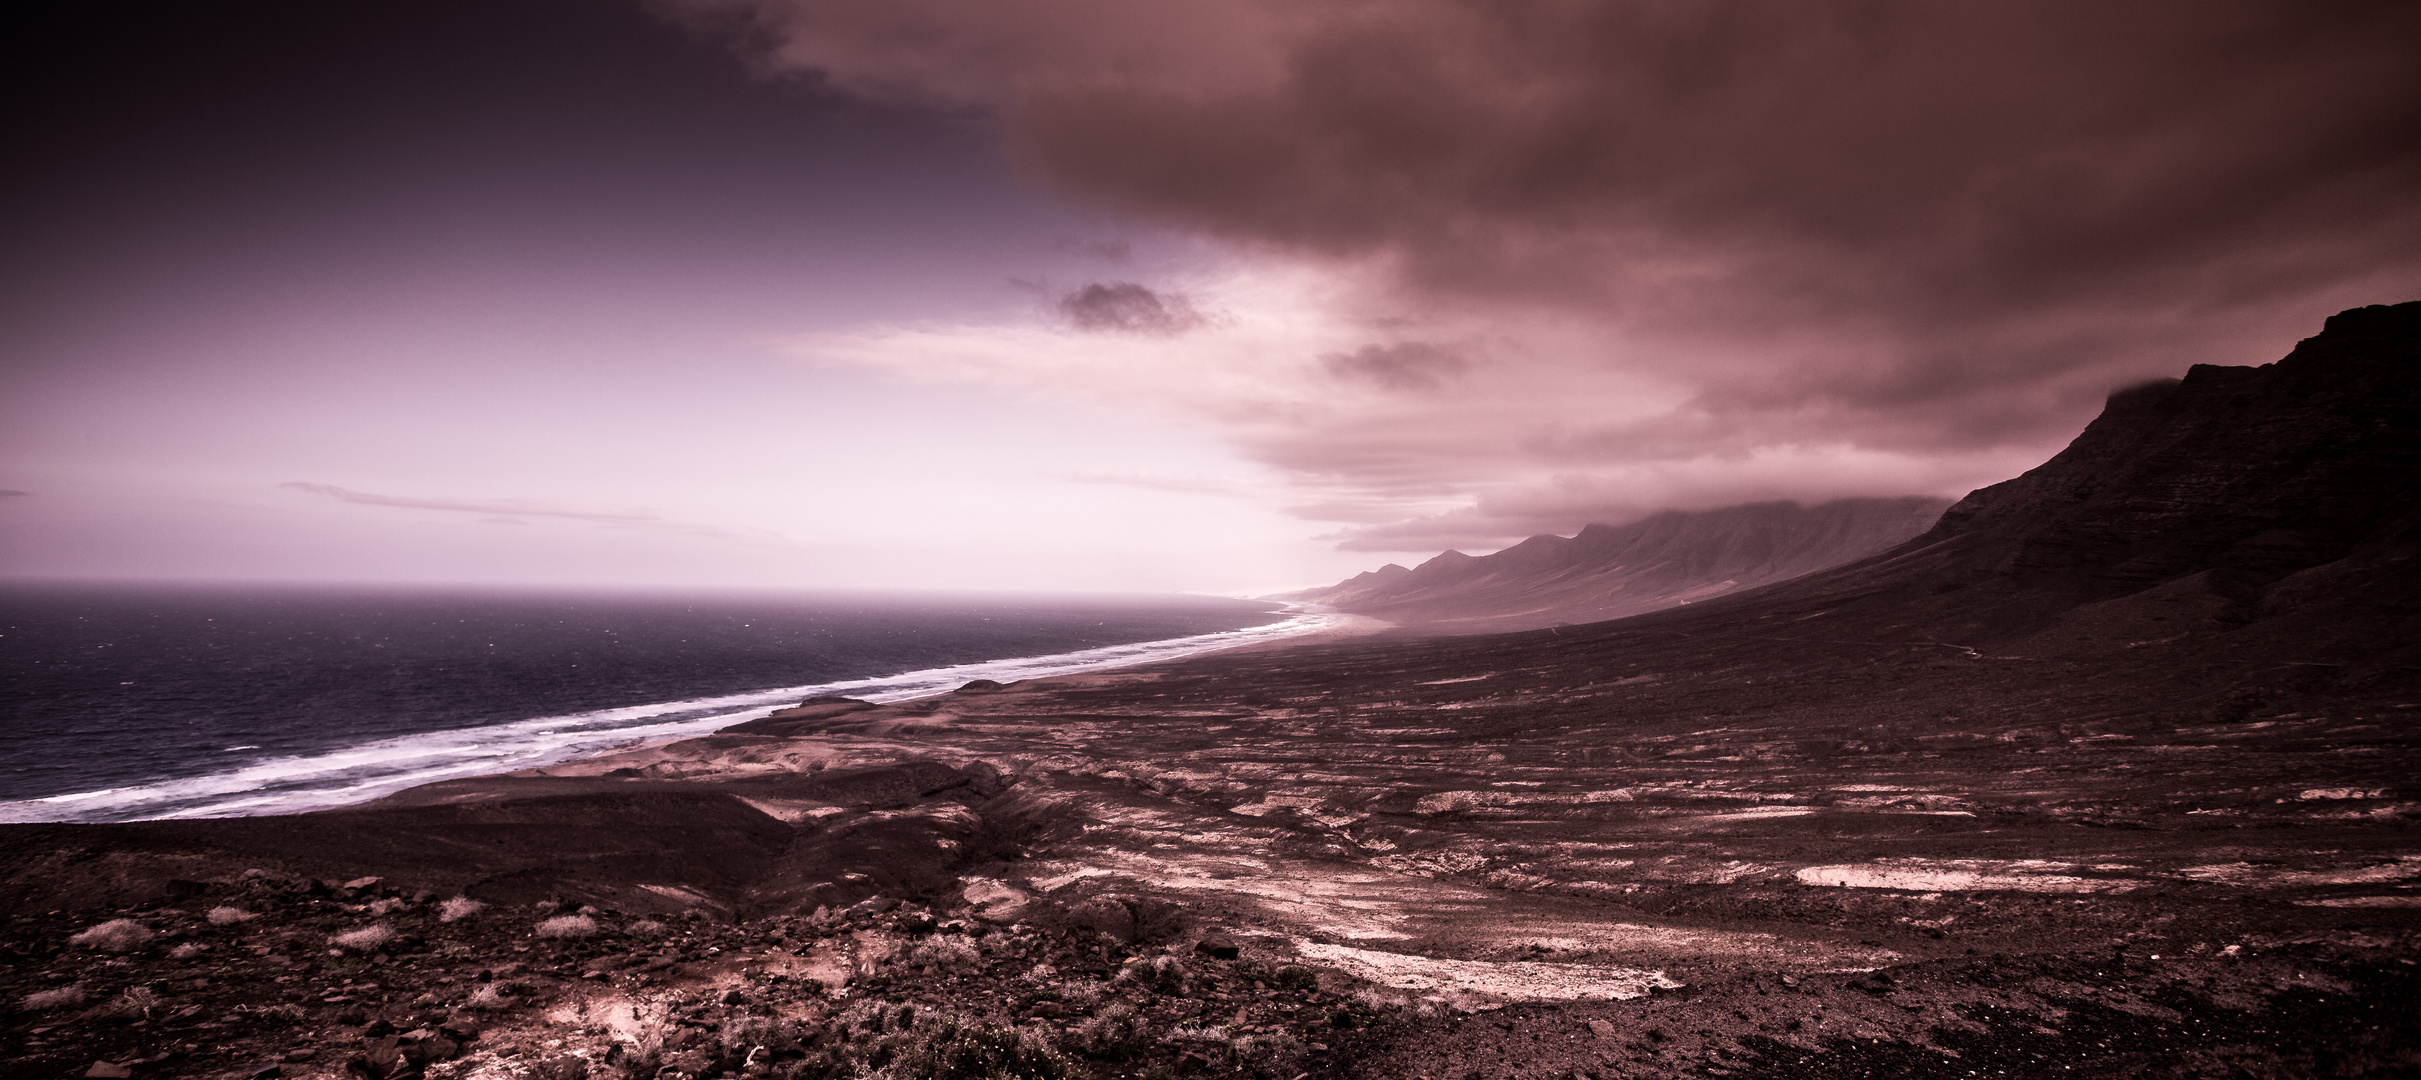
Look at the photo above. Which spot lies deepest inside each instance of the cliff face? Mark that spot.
(2253, 473)
(2286, 495)
(1607, 572)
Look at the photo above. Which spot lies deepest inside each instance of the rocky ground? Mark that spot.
(1428, 862)
(265, 976)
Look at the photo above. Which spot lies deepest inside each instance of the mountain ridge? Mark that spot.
(2233, 496)
(1607, 571)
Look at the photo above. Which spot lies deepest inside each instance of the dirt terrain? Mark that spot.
(1581, 876)
(2109, 774)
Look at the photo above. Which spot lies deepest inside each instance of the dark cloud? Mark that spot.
(1123, 307)
(1910, 176)
(1903, 226)
(1411, 365)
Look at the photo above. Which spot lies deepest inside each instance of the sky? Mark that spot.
(1221, 297)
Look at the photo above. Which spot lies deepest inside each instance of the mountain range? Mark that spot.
(1608, 571)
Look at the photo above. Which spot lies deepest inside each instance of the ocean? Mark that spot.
(126, 702)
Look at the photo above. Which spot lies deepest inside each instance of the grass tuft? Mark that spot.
(458, 908)
(65, 997)
(116, 935)
(568, 927)
(226, 915)
(363, 939)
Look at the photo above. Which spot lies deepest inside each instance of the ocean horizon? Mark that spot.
(146, 702)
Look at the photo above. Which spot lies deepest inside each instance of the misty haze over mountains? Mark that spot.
(1608, 572)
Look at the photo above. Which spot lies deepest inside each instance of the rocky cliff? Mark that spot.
(2287, 495)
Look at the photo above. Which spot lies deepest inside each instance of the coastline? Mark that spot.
(377, 768)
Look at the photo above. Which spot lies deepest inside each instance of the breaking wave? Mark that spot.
(315, 781)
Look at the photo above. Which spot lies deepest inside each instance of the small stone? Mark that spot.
(1601, 1029)
(1218, 947)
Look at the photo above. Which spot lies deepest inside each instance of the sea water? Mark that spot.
(123, 703)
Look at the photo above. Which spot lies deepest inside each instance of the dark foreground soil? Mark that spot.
(1644, 849)
(246, 979)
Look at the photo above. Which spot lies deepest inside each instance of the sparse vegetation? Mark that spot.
(948, 1047)
(64, 997)
(364, 939)
(135, 1003)
(1116, 1033)
(949, 954)
(115, 936)
(458, 908)
(229, 915)
(1159, 974)
(567, 926)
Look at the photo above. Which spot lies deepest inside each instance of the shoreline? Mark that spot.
(364, 772)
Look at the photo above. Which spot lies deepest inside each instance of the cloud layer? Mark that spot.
(1497, 268)
(503, 508)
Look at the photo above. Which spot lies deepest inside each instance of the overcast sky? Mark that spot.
(1222, 296)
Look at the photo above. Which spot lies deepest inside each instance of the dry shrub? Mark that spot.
(186, 951)
(364, 939)
(65, 997)
(954, 955)
(116, 935)
(950, 1048)
(1160, 974)
(1115, 1033)
(746, 1041)
(488, 996)
(229, 916)
(135, 1004)
(1380, 1000)
(1196, 1032)
(281, 1012)
(645, 928)
(458, 908)
(568, 926)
